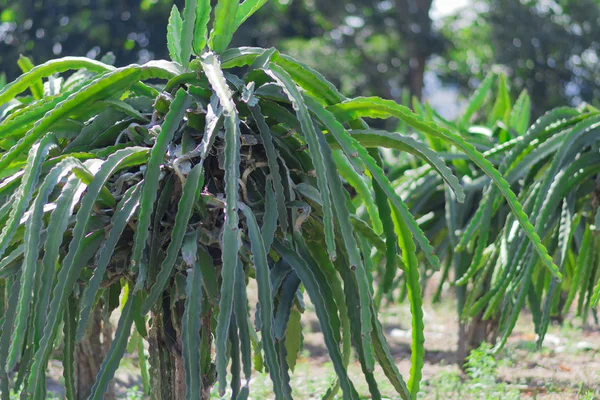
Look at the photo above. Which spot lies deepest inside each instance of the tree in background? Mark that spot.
(548, 47)
(365, 47)
(379, 47)
(132, 29)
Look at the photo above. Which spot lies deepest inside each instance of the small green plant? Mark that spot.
(482, 371)
(443, 386)
(588, 396)
(481, 383)
(481, 365)
(134, 393)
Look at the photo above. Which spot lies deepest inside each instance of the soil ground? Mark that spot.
(567, 367)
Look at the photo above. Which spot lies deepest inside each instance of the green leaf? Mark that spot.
(9, 315)
(267, 140)
(287, 295)
(36, 157)
(391, 240)
(117, 349)
(236, 365)
(501, 109)
(521, 113)
(387, 361)
(263, 60)
(101, 88)
(517, 305)
(103, 122)
(123, 213)
(310, 80)
(310, 134)
(312, 287)
(477, 99)
(174, 39)
(18, 123)
(378, 108)
(70, 324)
(352, 250)
(209, 278)
(190, 327)
(240, 56)
(549, 124)
(223, 25)
(284, 370)
(596, 295)
(347, 172)
(583, 260)
(413, 284)
(59, 220)
(246, 9)
(151, 181)
(76, 258)
(31, 267)
(259, 256)
(348, 305)
(337, 129)
(37, 88)
(378, 139)
(347, 145)
(8, 266)
(241, 316)
(51, 67)
(91, 243)
(565, 234)
(203, 9)
(187, 30)
(143, 367)
(477, 261)
(126, 109)
(231, 232)
(553, 121)
(293, 338)
(184, 212)
(269, 222)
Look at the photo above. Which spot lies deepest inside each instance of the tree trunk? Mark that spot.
(417, 75)
(474, 333)
(166, 359)
(166, 362)
(415, 24)
(90, 353)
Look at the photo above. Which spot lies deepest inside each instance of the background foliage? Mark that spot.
(547, 47)
(365, 47)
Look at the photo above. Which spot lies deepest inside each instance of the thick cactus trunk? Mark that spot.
(474, 333)
(166, 363)
(166, 360)
(90, 353)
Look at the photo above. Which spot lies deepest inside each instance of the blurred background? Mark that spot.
(436, 50)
